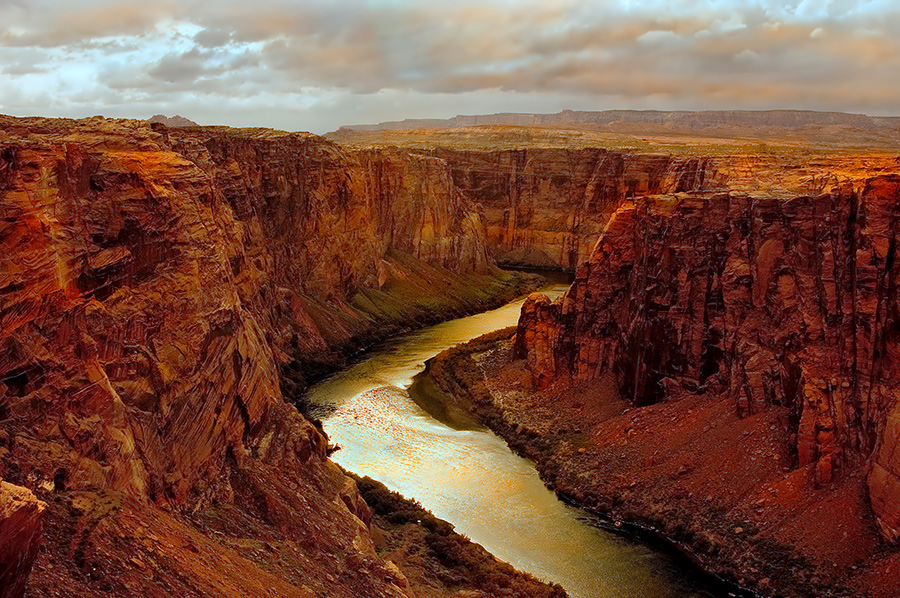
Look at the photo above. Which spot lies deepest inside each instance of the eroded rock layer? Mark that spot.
(776, 303)
(546, 207)
(782, 311)
(155, 284)
(155, 281)
(21, 517)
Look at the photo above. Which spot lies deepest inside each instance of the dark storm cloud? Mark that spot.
(545, 55)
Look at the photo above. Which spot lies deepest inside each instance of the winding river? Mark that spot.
(472, 479)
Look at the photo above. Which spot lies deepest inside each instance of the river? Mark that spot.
(472, 479)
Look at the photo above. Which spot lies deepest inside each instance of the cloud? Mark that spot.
(294, 58)
(50, 24)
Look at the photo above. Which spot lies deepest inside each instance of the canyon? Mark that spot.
(723, 361)
(163, 292)
(722, 371)
(547, 193)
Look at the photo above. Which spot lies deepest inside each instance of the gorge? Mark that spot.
(720, 371)
(390, 428)
(168, 295)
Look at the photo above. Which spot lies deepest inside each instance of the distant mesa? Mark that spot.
(786, 119)
(175, 121)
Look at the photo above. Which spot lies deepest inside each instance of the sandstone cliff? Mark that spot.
(546, 208)
(776, 303)
(20, 529)
(781, 312)
(154, 284)
(547, 193)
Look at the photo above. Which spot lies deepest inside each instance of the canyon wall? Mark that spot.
(151, 275)
(774, 303)
(546, 207)
(154, 284)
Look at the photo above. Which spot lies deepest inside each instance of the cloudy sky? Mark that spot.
(315, 65)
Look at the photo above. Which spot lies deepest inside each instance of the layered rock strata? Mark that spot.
(546, 207)
(783, 313)
(777, 303)
(154, 284)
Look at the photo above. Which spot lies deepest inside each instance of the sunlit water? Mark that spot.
(472, 479)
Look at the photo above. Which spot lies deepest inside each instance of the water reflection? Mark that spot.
(473, 480)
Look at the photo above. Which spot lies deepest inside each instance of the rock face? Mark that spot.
(174, 121)
(155, 281)
(154, 284)
(776, 304)
(546, 207)
(20, 531)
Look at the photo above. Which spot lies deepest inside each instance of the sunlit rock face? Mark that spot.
(788, 303)
(154, 280)
(546, 207)
(20, 535)
(153, 283)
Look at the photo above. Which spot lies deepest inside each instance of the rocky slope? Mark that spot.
(723, 370)
(158, 289)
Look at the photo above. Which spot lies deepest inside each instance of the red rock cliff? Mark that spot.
(20, 530)
(777, 303)
(546, 207)
(153, 281)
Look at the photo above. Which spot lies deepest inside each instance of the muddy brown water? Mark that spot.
(470, 477)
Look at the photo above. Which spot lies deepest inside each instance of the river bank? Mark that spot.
(468, 476)
(721, 489)
(437, 560)
(414, 295)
